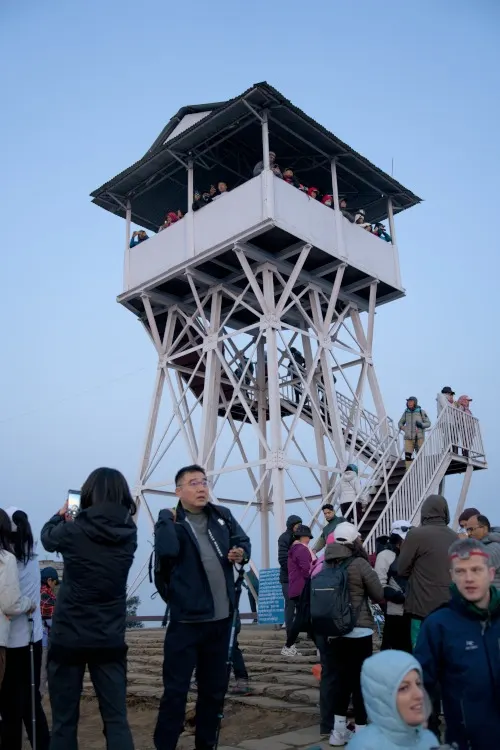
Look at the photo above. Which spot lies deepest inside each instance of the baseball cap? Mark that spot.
(447, 389)
(346, 533)
(401, 528)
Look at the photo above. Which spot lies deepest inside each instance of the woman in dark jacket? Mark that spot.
(88, 627)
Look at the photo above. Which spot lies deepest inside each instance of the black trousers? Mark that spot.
(65, 688)
(289, 609)
(202, 646)
(397, 633)
(341, 662)
(15, 700)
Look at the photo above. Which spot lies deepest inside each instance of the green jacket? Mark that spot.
(408, 423)
(328, 529)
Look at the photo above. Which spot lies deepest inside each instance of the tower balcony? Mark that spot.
(276, 219)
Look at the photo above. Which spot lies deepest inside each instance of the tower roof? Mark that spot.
(224, 140)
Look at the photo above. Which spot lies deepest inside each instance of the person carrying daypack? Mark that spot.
(343, 624)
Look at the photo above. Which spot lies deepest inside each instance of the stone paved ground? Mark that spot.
(299, 739)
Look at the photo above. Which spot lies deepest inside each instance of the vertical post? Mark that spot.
(338, 216)
(211, 387)
(126, 268)
(463, 494)
(265, 140)
(315, 410)
(275, 456)
(392, 232)
(190, 214)
(264, 484)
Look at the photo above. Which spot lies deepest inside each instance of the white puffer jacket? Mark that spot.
(12, 603)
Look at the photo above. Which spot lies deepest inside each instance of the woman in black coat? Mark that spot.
(88, 627)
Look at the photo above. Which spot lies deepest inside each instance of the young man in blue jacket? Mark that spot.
(458, 647)
(199, 543)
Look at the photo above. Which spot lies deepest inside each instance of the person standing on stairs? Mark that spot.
(350, 489)
(332, 521)
(413, 423)
(397, 624)
(285, 541)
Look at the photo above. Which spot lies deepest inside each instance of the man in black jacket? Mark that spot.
(284, 544)
(199, 543)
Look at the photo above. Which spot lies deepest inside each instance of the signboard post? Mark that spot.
(271, 601)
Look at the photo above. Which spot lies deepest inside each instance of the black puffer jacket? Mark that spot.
(284, 544)
(98, 550)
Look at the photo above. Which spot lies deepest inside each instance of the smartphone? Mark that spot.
(74, 499)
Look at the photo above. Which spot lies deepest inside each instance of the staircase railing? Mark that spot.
(453, 430)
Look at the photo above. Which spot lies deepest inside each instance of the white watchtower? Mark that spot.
(261, 306)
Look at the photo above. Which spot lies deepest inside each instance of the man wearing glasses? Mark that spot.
(199, 543)
(458, 649)
(479, 528)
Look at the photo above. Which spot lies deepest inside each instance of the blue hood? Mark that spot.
(381, 677)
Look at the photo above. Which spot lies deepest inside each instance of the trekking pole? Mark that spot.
(33, 687)
(232, 636)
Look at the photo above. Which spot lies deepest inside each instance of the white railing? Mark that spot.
(370, 435)
(454, 433)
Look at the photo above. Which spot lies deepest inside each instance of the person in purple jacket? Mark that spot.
(300, 563)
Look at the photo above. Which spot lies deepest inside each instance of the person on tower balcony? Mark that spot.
(289, 177)
(344, 211)
(444, 399)
(360, 220)
(222, 190)
(138, 237)
(313, 193)
(413, 423)
(259, 167)
(467, 428)
(200, 200)
(379, 230)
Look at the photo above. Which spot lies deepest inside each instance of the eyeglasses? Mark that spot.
(470, 529)
(195, 483)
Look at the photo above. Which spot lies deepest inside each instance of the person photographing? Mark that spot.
(88, 625)
(198, 547)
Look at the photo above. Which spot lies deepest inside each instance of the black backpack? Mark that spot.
(332, 614)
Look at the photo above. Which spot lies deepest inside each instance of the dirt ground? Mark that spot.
(239, 723)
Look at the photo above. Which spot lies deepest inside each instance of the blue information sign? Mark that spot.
(271, 602)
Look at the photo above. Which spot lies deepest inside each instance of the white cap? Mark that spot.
(346, 533)
(401, 528)
(10, 512)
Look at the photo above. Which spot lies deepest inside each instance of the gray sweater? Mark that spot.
(492, 543)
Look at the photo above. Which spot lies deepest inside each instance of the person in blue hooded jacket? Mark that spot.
(396, 704)
(458, 647)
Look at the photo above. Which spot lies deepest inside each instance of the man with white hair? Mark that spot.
(397, 624)
(259, 167)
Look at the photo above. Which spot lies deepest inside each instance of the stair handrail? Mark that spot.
(452, 429)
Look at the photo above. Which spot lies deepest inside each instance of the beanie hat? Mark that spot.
(47, 573)
(352, 467)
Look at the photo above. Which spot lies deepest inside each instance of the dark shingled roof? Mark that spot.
(157, 182)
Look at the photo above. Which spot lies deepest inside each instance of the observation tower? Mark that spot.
(261, 302)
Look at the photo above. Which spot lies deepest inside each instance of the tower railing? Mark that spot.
(454, 430)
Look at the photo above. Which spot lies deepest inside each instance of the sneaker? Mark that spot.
(340, 737)
(292, 651)
(241, 687)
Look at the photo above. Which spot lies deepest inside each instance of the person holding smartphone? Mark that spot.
(97, 543)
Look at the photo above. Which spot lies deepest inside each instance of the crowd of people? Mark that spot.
(216, 191)
(439, 655)
(438, 588)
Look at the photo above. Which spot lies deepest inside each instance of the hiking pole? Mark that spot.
(33, 687)
(232, 636)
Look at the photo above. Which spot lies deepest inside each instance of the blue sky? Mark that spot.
(87, 88)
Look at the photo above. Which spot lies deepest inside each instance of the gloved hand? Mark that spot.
(419, 425)
(394, 596)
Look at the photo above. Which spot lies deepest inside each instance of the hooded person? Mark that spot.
(397, 625)
(396, 704)
(285, 541)
(89, 621)
(423, 560)
(342, 657)
(413, 423)
(350, 489)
